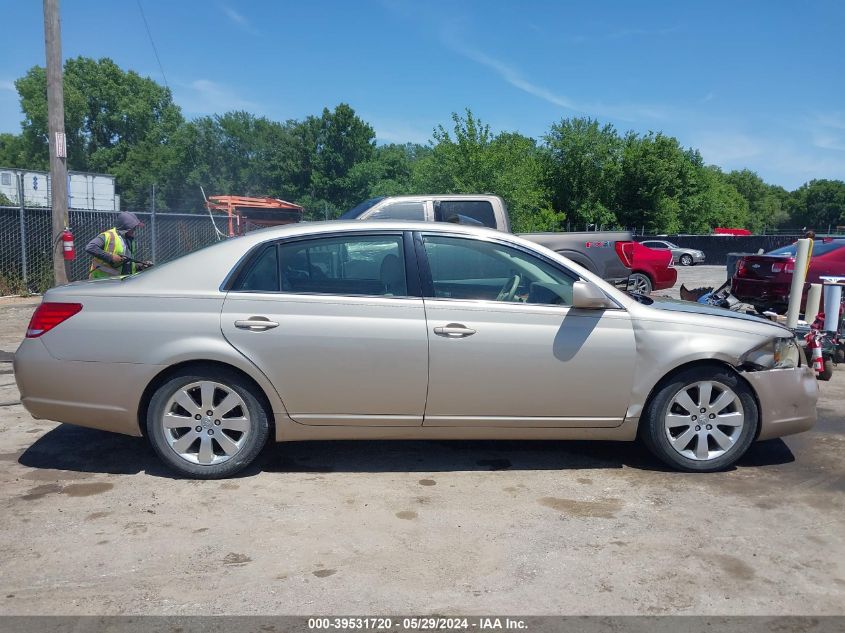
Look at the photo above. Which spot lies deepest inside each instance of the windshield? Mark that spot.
(359, 209)
(819, 248)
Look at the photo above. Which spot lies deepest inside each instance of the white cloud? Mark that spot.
(204, 96)
(513, 76)
(624, 33)
(831, 119)
(239, 19)
(828, 131)
(401, 132)
(787, 162)
(7, 86)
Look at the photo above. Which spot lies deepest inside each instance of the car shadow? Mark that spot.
(78, 449)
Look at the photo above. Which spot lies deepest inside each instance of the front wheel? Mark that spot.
(207, 423)
(639, 283)
(685, 260)
(703, 419)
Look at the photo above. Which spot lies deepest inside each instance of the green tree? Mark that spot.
(341, 140)
(656, 175)
(819, 204)
(767, 204)
(712, 201)
(387, 173)
(115, 121)
(14, 154)
(585, 168)
(471, 160)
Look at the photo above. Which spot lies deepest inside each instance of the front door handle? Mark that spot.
(256, 324)
(454, 330)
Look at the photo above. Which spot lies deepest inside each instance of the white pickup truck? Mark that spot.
(595, 251)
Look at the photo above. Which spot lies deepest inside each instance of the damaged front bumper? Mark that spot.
(787, 399)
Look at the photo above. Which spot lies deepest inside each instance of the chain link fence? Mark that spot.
(26, 248)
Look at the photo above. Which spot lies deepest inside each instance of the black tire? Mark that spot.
(827, 372)
(258, 424)
(685, 260)
(654, 435)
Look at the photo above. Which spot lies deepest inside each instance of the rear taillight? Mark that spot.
(625, 251)
(49, 315)
(740, 267)
(787, 267)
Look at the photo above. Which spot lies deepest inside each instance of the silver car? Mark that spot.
(402, 330)
(680, 255)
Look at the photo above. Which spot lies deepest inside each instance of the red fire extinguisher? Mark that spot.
(67, 245)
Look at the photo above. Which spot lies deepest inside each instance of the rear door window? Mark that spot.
(481, 211)
(350, 265)
(263, 274)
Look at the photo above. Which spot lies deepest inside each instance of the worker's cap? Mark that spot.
(127, 221)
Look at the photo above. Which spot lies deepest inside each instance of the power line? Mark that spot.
(152, 43)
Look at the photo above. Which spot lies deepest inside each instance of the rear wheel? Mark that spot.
(685, 260)
(703, 419)
(639, 283)
(207, 424)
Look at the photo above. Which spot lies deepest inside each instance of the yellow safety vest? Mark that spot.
(114, 245)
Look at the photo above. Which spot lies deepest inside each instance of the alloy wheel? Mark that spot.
(206, 422)
(639, 284)
(704, 420)
(686, 260)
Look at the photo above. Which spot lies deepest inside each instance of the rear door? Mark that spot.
(338, 325)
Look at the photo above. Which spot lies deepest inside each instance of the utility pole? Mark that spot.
(56, 131)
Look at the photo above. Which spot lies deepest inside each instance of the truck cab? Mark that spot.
(482, 209)
(599, 252)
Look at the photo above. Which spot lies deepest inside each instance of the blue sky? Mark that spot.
(751, 84)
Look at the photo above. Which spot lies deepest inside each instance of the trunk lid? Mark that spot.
(765, 267)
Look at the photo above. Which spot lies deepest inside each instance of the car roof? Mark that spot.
(203, 271)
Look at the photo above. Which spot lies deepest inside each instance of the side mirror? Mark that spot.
(589, 296)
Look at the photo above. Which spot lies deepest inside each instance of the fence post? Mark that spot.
(153, 226)
(24, 272)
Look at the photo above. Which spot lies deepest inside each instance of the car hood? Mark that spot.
(764, 326)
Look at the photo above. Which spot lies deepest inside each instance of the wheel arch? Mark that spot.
(643, 272)
(580, 259)
(198, 364)
(704, 362)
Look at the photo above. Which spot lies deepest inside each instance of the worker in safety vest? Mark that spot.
(112, 250)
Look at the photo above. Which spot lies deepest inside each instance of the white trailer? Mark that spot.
(92, 192)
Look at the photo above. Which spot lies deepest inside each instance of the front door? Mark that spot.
(333, 325)
(507, 350)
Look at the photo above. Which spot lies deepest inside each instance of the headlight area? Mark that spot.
(778, 353)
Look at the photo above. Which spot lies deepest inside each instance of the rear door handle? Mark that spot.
(454, 330)
(256, 324)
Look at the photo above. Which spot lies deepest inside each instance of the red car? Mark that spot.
(764, 281)
(650, 269)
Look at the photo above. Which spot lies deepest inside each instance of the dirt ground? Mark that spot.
(91, 523)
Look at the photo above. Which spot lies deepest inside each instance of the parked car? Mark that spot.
(764, 281)
(400, 330)
(650, 269)
(680, 255)
(597, 251)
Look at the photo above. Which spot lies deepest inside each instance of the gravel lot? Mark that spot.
(90, 523)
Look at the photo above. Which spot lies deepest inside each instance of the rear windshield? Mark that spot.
(359, 209)
(819, 248)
